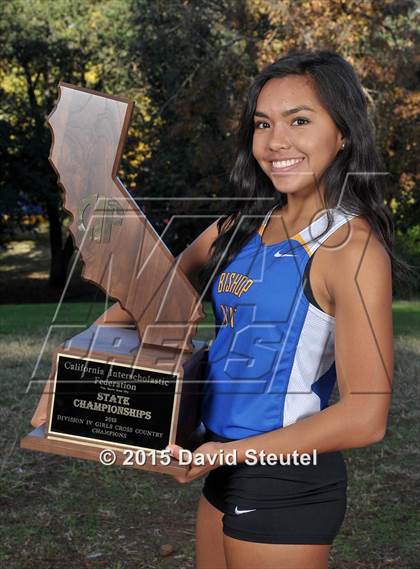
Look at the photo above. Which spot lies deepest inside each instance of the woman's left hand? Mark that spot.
(200, 463)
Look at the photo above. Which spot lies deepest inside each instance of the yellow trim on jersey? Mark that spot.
(299, 238)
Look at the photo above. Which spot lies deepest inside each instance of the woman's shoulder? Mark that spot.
(353, 236)
(362, 236)
(356, 252)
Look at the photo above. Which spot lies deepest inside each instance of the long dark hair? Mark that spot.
(354, 181)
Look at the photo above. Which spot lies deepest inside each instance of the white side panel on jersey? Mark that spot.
(314, 356)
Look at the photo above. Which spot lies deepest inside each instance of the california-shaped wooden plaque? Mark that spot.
(113, 387)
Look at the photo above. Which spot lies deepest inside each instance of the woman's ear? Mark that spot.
(342, 144)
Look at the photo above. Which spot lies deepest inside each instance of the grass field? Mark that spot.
(60, 512)
(18, 317)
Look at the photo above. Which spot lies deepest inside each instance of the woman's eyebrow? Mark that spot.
(286, 113)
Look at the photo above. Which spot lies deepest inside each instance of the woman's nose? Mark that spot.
(278, 140)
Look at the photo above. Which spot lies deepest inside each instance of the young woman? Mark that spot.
(285, 333)
(300, 271)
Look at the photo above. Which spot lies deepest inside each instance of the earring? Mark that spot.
(343, 145)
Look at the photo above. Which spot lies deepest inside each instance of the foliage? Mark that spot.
(379, 40)
(408, 245)
(42, 43)
(187, 64)
(196, 58)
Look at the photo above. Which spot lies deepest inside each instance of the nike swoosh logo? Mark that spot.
(243, 511)
(280, 254)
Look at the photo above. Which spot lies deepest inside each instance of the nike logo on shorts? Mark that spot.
(243, 511)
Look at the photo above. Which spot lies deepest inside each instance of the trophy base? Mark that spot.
(39, 440)
(84, 431)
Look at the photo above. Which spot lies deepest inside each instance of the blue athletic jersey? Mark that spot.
(272, 360)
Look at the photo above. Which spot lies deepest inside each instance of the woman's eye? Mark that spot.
(258, 123)
(301, 119)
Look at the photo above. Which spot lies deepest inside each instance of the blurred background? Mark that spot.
(187, 65)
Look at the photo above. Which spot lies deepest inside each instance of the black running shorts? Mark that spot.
(291, 504)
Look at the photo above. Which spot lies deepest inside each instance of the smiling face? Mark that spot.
(295, 139)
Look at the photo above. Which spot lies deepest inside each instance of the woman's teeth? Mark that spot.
(286, 163)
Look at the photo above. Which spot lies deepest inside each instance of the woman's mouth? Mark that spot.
(279, 166)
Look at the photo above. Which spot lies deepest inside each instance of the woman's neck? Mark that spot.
(301, 209)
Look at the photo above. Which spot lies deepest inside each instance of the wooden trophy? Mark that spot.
(120, 394)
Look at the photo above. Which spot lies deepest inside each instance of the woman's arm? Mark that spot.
(196, 255)
(360, 285)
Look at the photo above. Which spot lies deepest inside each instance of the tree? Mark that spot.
(378, 39)
(187, 65)
(196, 60)
(42, 43)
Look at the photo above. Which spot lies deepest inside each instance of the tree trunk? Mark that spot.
(57, 266)
(68, 251)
